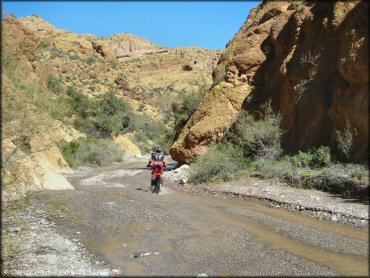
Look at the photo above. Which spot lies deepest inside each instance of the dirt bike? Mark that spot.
(157, 172)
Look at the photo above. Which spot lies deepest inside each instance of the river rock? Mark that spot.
(334, 218)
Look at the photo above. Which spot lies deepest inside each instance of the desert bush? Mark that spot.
(167, 140)
(258, 138)
(112, 115)
(91, 60)
(273, 168)
(44, 45)
(149, 132)
(354, 171)
(359, 172)
(74, 57)
(54, 84)
(185, 107)
(113, 64)
(109, 115)
(344, 139)
(222, 162)
(102, 117)
(332, 182)
(99, 152)
(89, 151)
(302, 159)
(321, 157)
(313, 158)
(68, 150)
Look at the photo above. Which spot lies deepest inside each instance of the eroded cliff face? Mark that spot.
(311, 60)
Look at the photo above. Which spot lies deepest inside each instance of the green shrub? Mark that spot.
(167, 140)
(258, 138)
(111, 115)
(354, 171)
(184, 107)
(54, 84)
(276, 169)
(149, 132)
(89, 151)
(321, 157)
(59, 108)
(359, 172)
(222, 162)
(313, 158)
(91, 60)
(103, 116)
(113, 64)
(68, 150)
(99, 152)
(44, 45)
(74, 57)
(302, 159)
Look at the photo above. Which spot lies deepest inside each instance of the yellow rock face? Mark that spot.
(217, 112)
(40, 171)
(128, 146)
(50, 178)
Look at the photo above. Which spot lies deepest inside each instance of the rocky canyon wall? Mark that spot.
(310, 59)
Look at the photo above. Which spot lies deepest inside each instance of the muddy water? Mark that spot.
(193, 234)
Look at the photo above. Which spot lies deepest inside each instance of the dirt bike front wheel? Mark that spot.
(157, 185)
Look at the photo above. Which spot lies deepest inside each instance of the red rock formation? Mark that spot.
(317, 75)
(311, 60)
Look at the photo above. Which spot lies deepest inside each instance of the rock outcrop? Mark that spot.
(310, 58)
(36, 23)
(216, 113)
(127, 146)
(130, 46)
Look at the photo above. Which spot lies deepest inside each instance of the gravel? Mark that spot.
(112, 231)
(32, 247)
(313, 203)
(315, 237)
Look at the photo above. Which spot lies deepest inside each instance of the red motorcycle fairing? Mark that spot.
(157, 169)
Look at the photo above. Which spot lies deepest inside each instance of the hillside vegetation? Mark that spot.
(60, 87)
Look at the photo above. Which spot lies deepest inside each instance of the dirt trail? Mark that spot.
(175, 233)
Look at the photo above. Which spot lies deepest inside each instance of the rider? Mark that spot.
(155, 153)
(158, 164)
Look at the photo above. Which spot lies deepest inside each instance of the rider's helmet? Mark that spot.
(157, 148)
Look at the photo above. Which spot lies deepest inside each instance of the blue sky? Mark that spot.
(205, 24)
